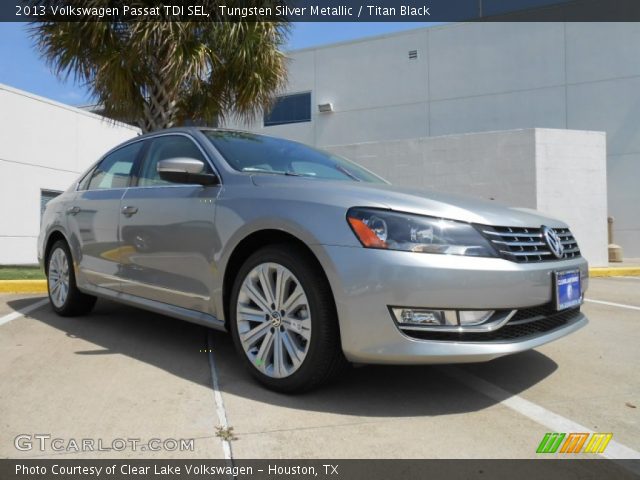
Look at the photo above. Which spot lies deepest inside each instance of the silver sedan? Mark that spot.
(308, 260)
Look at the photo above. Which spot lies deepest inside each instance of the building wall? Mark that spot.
(476, 77)
(43, 145)
(571, 184)
(539, 165)
(462, 164)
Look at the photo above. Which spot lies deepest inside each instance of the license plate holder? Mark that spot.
(567, 289)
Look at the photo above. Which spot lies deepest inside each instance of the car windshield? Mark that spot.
(247, 152)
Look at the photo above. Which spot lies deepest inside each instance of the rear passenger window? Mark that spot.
(115, 170)
(84, 183)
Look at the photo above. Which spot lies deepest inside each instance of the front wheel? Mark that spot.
(283, 320)
(64, 295)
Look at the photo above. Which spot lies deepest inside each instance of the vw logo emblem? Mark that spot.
(553, 240)
(276, 319)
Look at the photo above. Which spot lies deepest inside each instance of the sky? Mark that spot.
(21, 66)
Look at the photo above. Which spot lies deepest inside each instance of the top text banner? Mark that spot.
(319, 11)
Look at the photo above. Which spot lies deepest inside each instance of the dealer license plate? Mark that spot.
(568, 289)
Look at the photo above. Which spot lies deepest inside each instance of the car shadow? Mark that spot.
(179, 348)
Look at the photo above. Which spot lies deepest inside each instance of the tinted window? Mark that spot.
(247, 152)
(163, 148)
(84, 182)
(115, 170)
(290, 109)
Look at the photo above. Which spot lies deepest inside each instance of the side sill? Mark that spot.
(180, 313)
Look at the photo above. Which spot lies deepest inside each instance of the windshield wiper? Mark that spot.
(262, 170)
(346, 172)
(288, 173)
(291, 173)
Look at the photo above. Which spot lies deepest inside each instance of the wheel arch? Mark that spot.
(53, 237)
(252, 243)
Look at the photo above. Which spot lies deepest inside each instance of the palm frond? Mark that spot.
(158, 74)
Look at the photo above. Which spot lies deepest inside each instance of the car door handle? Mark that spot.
(128, 210)
(73, 210)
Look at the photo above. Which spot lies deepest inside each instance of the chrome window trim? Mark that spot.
(86, 176)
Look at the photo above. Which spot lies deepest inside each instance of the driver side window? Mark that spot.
(164, 148)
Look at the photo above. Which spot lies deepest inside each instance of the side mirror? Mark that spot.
(185, 170)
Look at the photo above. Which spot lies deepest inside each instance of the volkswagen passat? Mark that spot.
(308, 260)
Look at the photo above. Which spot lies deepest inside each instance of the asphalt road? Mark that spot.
(122, 373)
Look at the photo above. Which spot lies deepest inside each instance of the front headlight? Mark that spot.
(390, 230)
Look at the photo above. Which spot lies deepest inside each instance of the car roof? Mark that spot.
(191, 130)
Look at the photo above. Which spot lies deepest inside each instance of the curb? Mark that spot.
(23, 286)
(614, 272)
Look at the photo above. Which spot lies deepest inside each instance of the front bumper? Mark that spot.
(365, 282)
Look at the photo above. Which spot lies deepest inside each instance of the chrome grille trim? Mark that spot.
(525, 254)
(514, 234)
(525, 245)
(520, 244)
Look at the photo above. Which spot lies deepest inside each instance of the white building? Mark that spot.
(44, 146)
(402, 105)
(477, 77)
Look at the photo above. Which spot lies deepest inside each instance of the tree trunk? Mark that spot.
(160, 107)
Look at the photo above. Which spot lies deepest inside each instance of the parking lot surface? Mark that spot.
(123, 373)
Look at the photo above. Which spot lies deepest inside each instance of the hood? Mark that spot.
(410, 200)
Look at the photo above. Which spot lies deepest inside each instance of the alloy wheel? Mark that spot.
(274, 320)
(58, 277)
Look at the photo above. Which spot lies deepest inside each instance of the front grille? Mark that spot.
(523, 245)
(528, 322)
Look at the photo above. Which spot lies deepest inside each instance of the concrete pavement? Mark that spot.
(125, 373)
(118, 373)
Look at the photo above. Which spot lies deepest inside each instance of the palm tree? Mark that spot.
(162, 74)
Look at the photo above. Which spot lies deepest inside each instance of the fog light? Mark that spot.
(474, 317)
(423, 317)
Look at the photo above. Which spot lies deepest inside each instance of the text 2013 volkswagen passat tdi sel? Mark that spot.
(309, 260)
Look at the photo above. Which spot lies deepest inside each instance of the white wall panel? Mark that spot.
(43, 145)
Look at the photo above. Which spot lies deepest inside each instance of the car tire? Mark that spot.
(307, 336)
(64, 296)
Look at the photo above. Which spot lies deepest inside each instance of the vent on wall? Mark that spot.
(413, 54)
